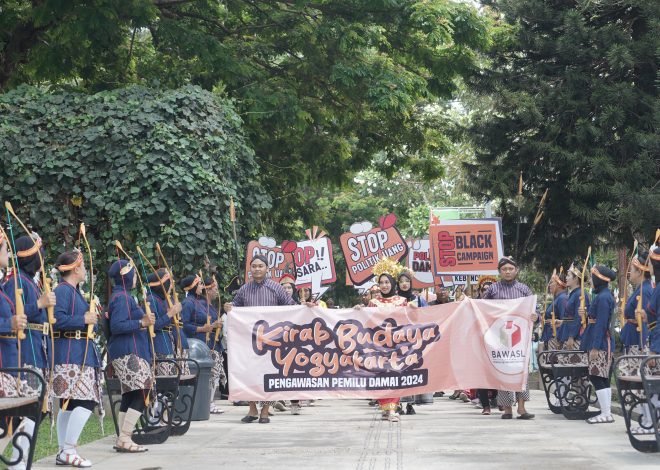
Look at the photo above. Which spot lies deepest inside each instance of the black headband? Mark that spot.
(259, 257)
(506, 260)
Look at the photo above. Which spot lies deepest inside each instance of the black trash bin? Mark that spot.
(200, 352)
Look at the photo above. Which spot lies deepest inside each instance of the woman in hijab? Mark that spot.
(405, 290)
(387, 297)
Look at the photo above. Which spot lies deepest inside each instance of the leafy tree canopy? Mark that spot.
(322, 86)
(574, 90)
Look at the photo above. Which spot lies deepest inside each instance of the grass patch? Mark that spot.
(90, 433)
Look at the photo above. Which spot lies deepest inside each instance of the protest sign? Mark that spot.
(364, 245)
(419, 263)
(462, 247)
(299, 352)
(315, 266)
(278, 260)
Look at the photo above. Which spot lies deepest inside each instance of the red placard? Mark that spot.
(363, 246)
(470, 246)
(278, 260)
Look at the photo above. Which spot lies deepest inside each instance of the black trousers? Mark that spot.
(224, 390)
(482, 393)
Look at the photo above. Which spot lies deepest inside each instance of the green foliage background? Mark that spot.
(135, 164)
(571, 94)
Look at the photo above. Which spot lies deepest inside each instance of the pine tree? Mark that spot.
(574, 90)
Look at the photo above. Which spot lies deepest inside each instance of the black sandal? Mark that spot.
(410, 410)
(507, 416)
(249, 419)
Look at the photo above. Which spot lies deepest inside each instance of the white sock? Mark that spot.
(62, 423)
(646, 416)
(602, 399)
(26, 426)
(77, 420)
(213, 389)
(605, 399)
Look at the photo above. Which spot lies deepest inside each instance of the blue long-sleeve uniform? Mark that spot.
(653, 312)
(559, 305)
(127, 336)
(8, 345)
(193, 315)
(629, 333)
(596, 335)
(571, 321)
(33, 351)
(163, 342)
(214, 317)
(70, 312)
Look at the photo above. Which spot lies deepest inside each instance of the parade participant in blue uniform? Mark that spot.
(10, 323)
(166, 341)
(77, 373)
(598, 343)
(34, 349)
(130, 351)
(569, 331)
(195, 315)
(634, 342)
(193, 312)
(34, 353)
(557, 288)
(218, 371)
(653, 306)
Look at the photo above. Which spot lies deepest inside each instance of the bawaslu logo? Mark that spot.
(505, 342)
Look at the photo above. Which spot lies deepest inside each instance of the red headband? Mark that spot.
(193, 285)
(160, 280)
(597, 273)
(211, 286)
(558, 281)
(70, 267)
(640, 266)
(30, 251)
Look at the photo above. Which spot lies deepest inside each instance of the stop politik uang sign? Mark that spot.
(364, 245)
(469, 246)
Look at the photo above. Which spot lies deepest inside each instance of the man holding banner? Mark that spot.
(510, 288)
(259, 292)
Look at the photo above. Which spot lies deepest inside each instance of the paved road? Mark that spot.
(348, 434)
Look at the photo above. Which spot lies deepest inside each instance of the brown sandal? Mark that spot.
(129, 448)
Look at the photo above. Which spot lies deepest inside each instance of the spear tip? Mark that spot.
(118, 244)
(83, 232)
(9, 207)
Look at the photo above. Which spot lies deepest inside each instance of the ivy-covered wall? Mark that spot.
(135, 164)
